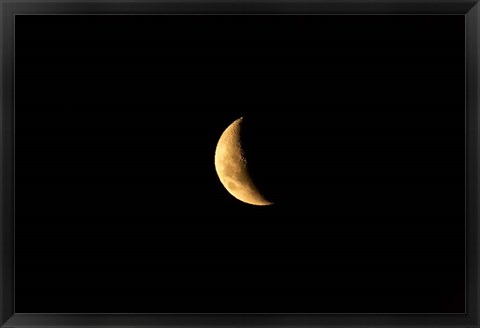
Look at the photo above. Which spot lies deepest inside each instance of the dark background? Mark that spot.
(354, 127)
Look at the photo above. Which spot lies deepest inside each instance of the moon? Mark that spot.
(232, 169)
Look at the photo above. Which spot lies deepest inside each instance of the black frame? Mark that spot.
(10, 8)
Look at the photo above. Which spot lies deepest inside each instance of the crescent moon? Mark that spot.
(232, 169)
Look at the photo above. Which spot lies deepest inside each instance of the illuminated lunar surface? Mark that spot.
(232, 169)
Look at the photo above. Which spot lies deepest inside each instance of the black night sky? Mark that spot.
(354, 127)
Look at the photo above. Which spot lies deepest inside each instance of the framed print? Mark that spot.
(231, 163)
